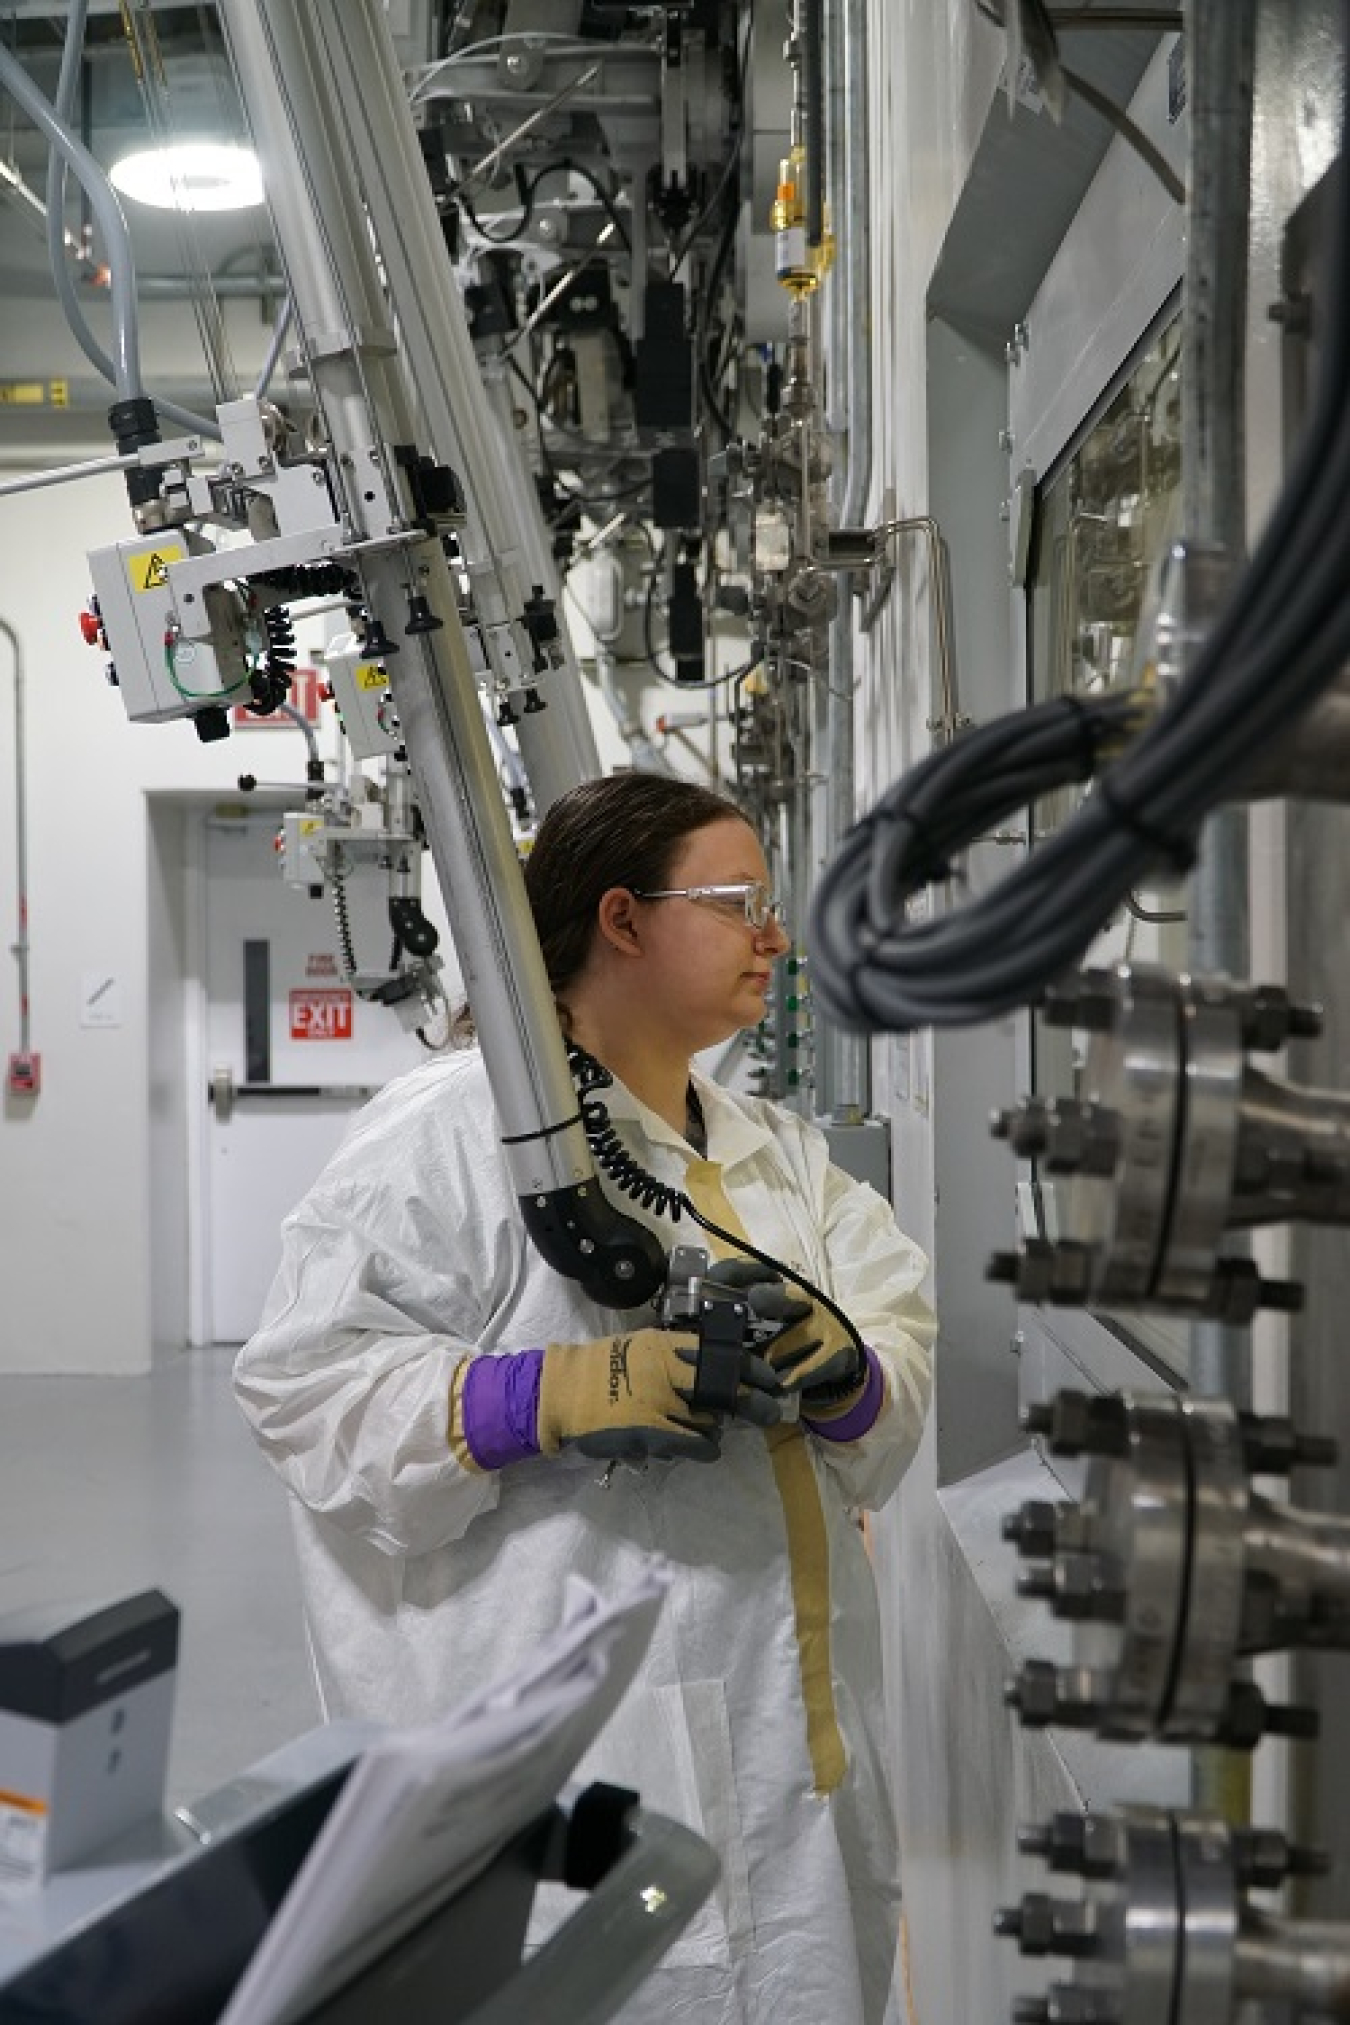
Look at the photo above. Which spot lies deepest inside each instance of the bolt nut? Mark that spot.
(1087, 999)
(1088, 1845)
(1042, 1695)
(1268, 1018)
(1272, 1447)
(1031, 1529)
(1263, 1859)
(1042, 1925)
(1058, 1273)
(1081, 1423)
(1083, 1588)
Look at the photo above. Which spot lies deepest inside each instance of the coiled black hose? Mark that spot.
(1283, 636)
(632, 1179)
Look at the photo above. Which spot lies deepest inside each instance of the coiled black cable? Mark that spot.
(633, 1180)
(270, 680)
(1283, 636)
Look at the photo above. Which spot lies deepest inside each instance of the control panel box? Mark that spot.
(161, 673)
(364, 702)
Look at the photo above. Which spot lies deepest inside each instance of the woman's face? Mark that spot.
(709, 970)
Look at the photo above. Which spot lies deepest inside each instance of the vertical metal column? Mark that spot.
(558, 746)
(1220, 66)
(366, 406)
(354, 49)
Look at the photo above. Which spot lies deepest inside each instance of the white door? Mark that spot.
(299, 1050)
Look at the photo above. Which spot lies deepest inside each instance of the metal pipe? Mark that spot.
(844, 1059)
(127, 357)
(368, 88)
(484, 169)
(20, 946)
(122, 270)
(276, 341)
(558, 744)
(1221, 46)
(66, 474)
(811, 28)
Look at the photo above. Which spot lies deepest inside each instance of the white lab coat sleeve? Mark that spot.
(393, 1269)
(875, 1275)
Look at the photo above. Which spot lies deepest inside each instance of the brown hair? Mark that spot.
(624, 830)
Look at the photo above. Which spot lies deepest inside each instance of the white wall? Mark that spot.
(75, 1163)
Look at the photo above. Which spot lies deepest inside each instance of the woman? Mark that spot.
(435, 1398)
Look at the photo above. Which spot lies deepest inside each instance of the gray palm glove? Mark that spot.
(627, 1397)
(810, 1350)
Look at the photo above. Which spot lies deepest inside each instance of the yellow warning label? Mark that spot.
(35, 393)
(149, 571)
(308, 825)
(368, 677)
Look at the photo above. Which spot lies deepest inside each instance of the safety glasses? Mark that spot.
(751, 896)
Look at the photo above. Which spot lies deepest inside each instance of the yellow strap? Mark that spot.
(804, 1515)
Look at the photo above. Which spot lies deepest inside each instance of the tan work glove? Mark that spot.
(626, 1397)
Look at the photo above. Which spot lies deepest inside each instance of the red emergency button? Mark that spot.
(92, 627)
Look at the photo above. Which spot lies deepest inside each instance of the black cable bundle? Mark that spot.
(1281, 639)
(270, 682)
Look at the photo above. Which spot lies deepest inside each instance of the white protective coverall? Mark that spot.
(758, 1715)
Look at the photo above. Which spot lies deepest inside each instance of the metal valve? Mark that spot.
(1174, 1571)
(1163, 1928)
(1177, 1140)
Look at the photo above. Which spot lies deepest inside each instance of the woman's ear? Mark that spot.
(617, 921)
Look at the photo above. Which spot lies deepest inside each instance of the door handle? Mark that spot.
(223, 1093)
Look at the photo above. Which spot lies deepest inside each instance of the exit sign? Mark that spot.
(321, 1015)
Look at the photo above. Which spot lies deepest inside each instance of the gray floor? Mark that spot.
(113, 1485)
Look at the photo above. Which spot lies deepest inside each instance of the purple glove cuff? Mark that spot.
(860, 1418)
(499, 1408)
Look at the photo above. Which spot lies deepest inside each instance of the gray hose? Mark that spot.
(127, 364)
(124, 372)
(813, 77)
(277, 340)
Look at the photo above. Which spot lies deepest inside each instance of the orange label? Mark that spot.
(23, 1801)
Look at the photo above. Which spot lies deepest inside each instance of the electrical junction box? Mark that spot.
(302, 849)
(24, 1078)
(361, 692)
(161, 673)
(86, 1707)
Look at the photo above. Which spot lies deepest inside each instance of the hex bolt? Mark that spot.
(1042, 1925)
(1082, 1589)
(1082, 1138)
(1268, 1019)
(1272, 1447)
(1026, 1126)
(1031, 1528)
(1263, 1858)
(1045, 1272)
(1085, 1844)
(1037, 1584)
(1082, 1423)
(1041, 1697)
(1249, 1716)
(1087, 1000)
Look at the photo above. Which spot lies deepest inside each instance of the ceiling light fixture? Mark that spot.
(196, 176)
